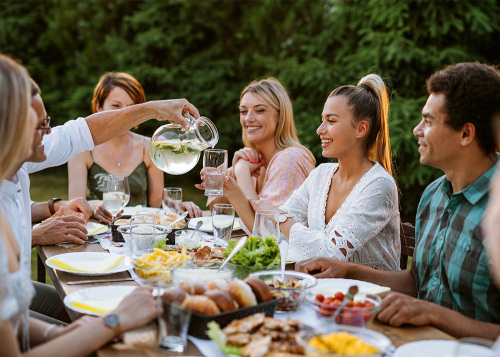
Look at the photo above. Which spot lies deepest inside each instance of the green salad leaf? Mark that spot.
(215, 333)
(257, 252)
(162, 244)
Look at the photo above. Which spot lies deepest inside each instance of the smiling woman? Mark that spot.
(272, 149)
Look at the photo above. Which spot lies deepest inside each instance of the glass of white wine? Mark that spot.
(113, 195)
(126, 187)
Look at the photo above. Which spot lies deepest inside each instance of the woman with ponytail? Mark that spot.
(346, 210)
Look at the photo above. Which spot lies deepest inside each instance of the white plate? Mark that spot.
(92, 258)
(329, 287)
(207, 224)
(432, 348)
(103, 297)
(130, 211)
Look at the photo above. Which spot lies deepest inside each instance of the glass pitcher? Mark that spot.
(176, 151)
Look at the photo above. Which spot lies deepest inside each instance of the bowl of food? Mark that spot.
(344, 341)
(358, 312)
(153, 266)
(169, 218)
(204, 270)
(257, 254)
(143, 236)
(289, 287)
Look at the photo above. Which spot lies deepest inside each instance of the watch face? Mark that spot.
(282, 218)
(112, 320)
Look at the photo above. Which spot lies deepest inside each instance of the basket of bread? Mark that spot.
(162, 219)
(219, 299)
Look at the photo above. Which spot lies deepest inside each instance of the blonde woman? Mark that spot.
(18, 121)
(272, 149)
(346, 210)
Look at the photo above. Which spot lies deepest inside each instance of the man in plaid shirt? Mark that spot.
(449, 285)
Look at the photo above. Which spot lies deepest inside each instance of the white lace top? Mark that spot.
(368, 219)
(16, 292)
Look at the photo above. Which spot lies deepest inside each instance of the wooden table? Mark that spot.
(143, 342)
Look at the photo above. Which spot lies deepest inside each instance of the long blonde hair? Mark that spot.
(273, 92)
(15, 103)
(369, 101)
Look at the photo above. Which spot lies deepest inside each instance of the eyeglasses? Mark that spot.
(45, 124)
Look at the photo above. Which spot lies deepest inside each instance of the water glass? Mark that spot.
(222, 222)
(172, 200)
(146, 236)
(173, 326)
(215, 167)
(474, 346)
(113, 195)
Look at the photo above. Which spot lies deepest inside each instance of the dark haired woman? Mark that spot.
(346, 210)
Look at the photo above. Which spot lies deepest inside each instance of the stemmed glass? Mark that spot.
(222, 222)
(113, 195)
(126, 187)
(266, 224)
(172, 200)
(215, 167)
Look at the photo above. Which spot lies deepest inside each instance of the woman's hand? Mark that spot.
(100, 212)
(192, 209)
(138, 308)
(247, 154)
(263, 205)
(244, 166)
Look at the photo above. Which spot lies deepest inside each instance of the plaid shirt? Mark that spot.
(450, 261)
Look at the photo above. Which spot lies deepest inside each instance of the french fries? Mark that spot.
(155, 267)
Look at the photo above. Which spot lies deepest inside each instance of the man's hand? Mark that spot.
(321, 267)
(175, 110)
(78, 204)
(61, 227)
(398, 309)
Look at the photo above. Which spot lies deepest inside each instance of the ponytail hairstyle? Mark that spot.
(109, 81)
(369, 101)
(274, 94)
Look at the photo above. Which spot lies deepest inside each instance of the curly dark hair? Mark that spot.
(472, 95)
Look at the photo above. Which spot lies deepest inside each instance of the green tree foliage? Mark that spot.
(207, 51)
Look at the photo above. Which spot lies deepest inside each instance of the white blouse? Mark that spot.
(16, 292)
(368, 220)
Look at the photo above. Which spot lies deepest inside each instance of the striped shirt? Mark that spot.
(450, 261)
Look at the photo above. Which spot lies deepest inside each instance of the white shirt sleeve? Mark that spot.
(63, 143)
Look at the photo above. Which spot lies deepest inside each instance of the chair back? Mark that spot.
(407, 237)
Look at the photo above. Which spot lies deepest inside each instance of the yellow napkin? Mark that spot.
(83, 306)
(90, 266)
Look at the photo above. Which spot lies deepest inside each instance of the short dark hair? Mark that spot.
(472, 95)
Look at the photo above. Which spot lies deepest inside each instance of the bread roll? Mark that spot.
(174, 294)
(242, 293)
(122, 221)
(201, 304)
(224, 301)
(260, 289)
(217, 284)
(194, 286)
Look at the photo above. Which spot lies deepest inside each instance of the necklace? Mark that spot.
(118, 162)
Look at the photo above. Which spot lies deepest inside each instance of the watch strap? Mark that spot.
(51, 202)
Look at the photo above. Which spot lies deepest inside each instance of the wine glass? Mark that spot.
(113, 195)
(222, 222)
(215, 166)
(172, 200)
(126, 187)
(266, 224)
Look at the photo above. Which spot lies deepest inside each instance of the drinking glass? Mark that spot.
(126, 187)
(172, 200)
(222, 222)
(113, 195)
(215, 166)
(266, 224)
(474, 346)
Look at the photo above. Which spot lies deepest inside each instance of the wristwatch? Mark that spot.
(283, 217)
(113, 322)
(51, 202)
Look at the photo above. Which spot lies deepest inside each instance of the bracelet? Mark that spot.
(48, 331)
